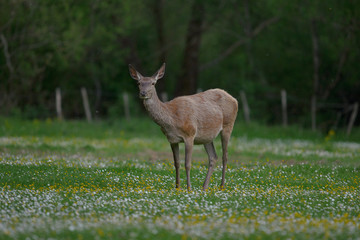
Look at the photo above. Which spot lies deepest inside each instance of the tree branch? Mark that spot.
(222, 56)
(6, 53)
(343, 57)
(264, 25)
(337, 79)
(316, 57)
(238, 43)
(6, 25)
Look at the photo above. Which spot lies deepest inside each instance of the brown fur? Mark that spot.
(194, 119)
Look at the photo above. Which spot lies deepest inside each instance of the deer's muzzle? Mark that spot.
(144, 95)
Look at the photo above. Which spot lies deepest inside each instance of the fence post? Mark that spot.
(245, 106)
(86, 104)
(164, 97)
(284, 107)
(313, 112)
(352, 118)
(58, 104)
(126, 105)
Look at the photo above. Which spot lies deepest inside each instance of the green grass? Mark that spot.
(115, 180)
(144, 127)
(99, 129)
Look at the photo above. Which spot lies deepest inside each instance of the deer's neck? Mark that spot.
(157, 110)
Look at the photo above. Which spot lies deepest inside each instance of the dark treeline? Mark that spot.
(309, 48)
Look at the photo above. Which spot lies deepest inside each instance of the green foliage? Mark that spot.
(71, 44)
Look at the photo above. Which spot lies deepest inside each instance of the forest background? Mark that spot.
(311, 49)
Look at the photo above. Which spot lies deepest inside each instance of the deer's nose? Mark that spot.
(142, 93)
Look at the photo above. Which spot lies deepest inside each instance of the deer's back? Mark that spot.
(204, 114)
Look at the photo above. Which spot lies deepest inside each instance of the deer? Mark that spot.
(192, 119)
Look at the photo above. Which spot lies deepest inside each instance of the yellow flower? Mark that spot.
(330, 134)
(100, 232)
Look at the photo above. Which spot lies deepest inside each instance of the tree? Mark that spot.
(187, 82)
(308, 48)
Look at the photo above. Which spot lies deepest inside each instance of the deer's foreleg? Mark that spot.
(175, 150)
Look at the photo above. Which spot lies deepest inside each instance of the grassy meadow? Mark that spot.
(115, 180)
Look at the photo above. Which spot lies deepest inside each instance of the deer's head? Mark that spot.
(146, 84)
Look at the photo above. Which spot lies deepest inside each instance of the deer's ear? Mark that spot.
(134, 74)
(160, 73)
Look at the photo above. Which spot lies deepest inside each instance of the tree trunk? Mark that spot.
(159, 25)
(98, 96)
(316, 60)
(284, 107)
(187, 82)
(248, 35)
(94, 60)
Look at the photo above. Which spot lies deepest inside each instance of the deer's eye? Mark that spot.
(153, 83)
(138, 83)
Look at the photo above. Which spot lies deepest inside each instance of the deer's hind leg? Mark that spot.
(225, 137)
(210, 150)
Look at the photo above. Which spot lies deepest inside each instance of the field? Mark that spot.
(115, 180)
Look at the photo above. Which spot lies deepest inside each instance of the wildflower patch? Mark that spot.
(281, 190)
